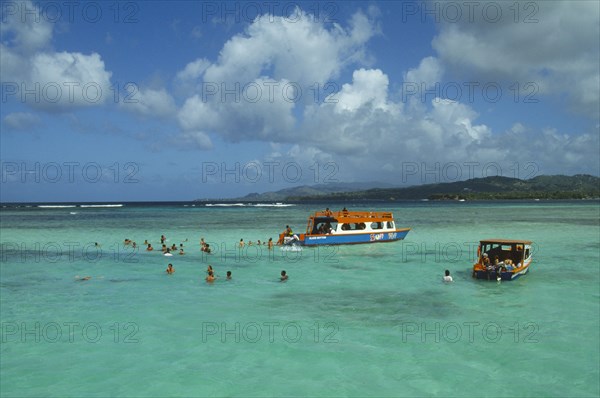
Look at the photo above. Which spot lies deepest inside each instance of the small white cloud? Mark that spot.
(21, 121)
(428, 72)
(193, 70)
(368, 86)
(197, 32)
(149, 102)
(194, 140)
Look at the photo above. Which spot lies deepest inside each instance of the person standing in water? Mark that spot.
(447, 277)
(170, 270)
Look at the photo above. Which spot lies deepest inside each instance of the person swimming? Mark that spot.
(447, 277)
(284, 276)
(228, 275)
(170, 270)
(210, 278)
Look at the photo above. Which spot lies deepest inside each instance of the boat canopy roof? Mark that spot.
(506, 241)
(354, 216)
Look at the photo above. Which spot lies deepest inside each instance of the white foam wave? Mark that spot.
(273, 205)
(110, 205)
(224, 204)
(55, 206)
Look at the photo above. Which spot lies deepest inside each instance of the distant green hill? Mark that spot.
(489, 188)
(319, 190)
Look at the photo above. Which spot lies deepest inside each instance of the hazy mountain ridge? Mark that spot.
(313, 191)
(581, 186)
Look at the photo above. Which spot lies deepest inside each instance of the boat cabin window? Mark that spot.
(321, 228)
(504, 252)
(390, 224)
(353, 226)
(376, 225)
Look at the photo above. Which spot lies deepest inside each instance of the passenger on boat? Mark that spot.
(488, 266)
(486, 261)
(328, 213)
(345, 211)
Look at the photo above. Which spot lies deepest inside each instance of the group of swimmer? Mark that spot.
(211, 277)
(166, 250)
(269, 243)
(204, 247)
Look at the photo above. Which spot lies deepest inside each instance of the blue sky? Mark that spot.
(156, 100)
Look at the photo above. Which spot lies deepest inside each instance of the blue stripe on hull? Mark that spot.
(315, 240)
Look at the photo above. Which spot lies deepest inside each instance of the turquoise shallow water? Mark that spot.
(365, 320)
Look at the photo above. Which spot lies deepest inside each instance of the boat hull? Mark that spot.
(505, 275)
(355, 238)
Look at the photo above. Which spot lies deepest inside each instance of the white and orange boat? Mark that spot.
(502, 259)
(346, 227)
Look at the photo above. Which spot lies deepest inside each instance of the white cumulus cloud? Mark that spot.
(60, 80)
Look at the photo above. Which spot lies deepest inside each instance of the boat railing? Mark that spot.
(350, 215)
